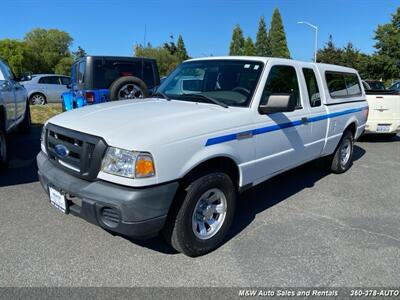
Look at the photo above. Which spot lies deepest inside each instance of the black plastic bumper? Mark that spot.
(136, 212)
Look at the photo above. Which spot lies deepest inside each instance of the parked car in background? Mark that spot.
(97, 79)
(395, 86)
(373, 84)
(216, 126)
(384, 112)
(46, 88)
(14, 109)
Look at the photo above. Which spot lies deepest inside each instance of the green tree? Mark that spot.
(330, 54)
(18, 56)
(64, 66)
(249, 49)
(165, 60)
(387, 38)
(181, 49)
(171, 46)
(277, 37)
(262, 42)
(79, 53)
(237, 42)
(48, 47)
(347, 56)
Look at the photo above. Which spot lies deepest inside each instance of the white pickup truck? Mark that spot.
(14, 109)
(216, 126)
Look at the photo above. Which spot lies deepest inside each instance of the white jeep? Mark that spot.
(175, 162)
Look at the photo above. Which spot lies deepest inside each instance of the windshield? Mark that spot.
(230, 82)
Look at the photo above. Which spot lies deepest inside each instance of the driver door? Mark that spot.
(281, 136)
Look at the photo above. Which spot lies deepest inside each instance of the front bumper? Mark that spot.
(135, 212)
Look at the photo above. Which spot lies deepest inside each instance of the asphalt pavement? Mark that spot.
(302, 228)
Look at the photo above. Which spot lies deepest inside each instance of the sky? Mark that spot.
(112, 27)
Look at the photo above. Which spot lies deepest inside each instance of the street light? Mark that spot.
(316, 37)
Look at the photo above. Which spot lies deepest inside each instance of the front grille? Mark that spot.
(84, 152)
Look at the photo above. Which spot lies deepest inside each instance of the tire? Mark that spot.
(183, 230)
(342, 159)
(130, 86)
(25, 126)
(37, 99)
(3, 149)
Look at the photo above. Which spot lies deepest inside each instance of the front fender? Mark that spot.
(230, 150)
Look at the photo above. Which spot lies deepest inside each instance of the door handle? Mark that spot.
(304, 120)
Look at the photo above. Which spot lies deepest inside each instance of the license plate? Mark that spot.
(57, 200)
(383, 128)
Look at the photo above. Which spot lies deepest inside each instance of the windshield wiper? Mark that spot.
(163, 95)
(210, 99)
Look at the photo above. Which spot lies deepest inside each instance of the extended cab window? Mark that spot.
(312, 87)
(281, 80)
(342, 84)
(352, 85)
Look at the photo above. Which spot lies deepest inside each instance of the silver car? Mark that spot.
(46, 88)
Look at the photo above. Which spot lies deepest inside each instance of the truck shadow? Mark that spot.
(378, 138)
(22, 151)
(261, 198)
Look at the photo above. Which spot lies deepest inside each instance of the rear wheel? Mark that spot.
(200, 224)
(37, 99)
(128, 87)
(3, 149)
(342, 159)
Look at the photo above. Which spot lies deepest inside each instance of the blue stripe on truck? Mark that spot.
(261, 130)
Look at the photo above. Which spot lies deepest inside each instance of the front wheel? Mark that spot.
(203, 220)
(342, 159)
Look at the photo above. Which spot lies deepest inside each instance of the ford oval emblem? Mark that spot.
(61, 150)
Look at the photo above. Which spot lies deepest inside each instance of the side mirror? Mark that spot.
(69, 86)
(278, 103)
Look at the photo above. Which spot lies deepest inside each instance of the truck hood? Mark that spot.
(143, 123)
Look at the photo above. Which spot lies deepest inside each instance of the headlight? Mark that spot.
(43, 140)
(131, 164)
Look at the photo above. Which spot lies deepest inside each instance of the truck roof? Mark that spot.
(263, 59)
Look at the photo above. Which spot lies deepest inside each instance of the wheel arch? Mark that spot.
(222, 163)
(351, 126)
